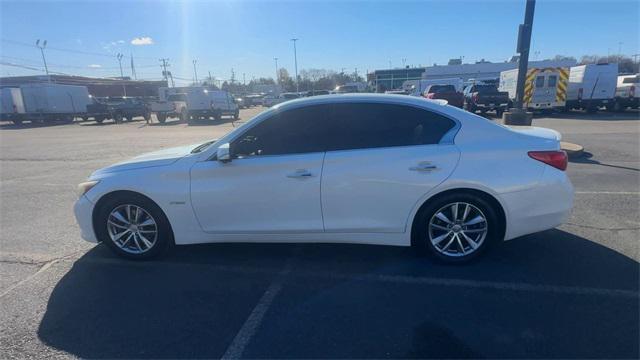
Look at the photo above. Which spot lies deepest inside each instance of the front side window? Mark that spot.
(540, 81)
(373, 125)
(294, 131)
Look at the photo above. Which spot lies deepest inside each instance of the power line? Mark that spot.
(14, 42)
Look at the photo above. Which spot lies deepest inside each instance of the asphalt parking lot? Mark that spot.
(571, 292)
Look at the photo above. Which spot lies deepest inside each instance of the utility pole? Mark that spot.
(124, 88)
(356, 77)
(209, 77)
(195, 72)
(165, 73)
(295, 58)
(277, 75)
(518, 115)
(133, 69)
(404, 61)
(41, 47)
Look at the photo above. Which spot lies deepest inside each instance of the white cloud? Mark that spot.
(94, 66)
(143, 40)
(120, 41)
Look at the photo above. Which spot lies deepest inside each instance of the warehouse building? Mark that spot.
(98, 87)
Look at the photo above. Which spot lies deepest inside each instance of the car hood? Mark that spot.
(157, 158)
(541, 132)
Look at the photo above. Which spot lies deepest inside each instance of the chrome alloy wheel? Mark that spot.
(132, 229)
(458, 229)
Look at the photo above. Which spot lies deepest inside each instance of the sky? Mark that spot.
(84, 37)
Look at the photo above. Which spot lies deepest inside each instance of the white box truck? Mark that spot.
(544, 88)
(591, 86)
(49, 102)
(11, 105)
(193, 103)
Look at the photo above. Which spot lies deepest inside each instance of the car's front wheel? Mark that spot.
(133, 226)
(457, 228)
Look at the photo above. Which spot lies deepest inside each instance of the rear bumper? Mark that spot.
(83, 210)
(544, 207)
(491, 106)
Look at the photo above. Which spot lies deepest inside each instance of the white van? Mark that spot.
(627, 93)
(223, 104)
(544, 88)
(591, 86)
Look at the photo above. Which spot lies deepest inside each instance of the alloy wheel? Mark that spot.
(458, 229)
(132, 229)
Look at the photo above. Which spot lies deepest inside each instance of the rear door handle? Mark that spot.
(423, 167)
(300, 173)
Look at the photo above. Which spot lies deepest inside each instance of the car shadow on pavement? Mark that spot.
(337, 298)
(587, 158)
(631, 114)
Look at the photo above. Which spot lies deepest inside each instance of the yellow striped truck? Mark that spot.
(544, 88)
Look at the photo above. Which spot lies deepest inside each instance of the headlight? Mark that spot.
(86, 186)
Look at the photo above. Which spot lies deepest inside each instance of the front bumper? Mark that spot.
(83, 210)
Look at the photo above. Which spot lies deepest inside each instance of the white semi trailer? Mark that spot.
(45, 102)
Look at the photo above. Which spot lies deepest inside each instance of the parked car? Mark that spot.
(98, 109)
(627, 93)
(483, 98)
(373, 169)
(317, 92)
(445, 92)
(223, 104)
(175, 105)
(270, 100)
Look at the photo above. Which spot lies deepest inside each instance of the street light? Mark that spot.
(119, 56)
(41, 47)
(295, 58)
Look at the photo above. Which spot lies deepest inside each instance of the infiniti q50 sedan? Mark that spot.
(368, 169)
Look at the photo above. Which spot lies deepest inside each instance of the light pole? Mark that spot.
(277, 75)
(195, 72)
(124, 88)
(295, 59)
(41, 47)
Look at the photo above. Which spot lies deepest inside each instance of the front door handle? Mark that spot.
(300, 173)
(424, 167)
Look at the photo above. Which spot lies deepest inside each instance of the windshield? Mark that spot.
(437, 89)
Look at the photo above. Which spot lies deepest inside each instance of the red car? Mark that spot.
(445, 92)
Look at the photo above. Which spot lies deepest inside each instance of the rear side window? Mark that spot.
(439, 89)
(552, 80)
(540, 81)
(371, 125)
(294, 131)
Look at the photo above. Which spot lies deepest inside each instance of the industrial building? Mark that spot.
(98, 87)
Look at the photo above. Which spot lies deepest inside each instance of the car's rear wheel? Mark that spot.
(458, 227)
(133, 226)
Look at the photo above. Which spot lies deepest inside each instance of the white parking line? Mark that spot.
(609, 192)
(250, 326)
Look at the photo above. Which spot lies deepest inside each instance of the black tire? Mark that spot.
(118, 118)
(85, 118)
(162, 118)
(236, 116)
(617, 107)
(422, 234)
(217, 116)
(163, 240)
(17, 122)
(499, 113)
(99, 119)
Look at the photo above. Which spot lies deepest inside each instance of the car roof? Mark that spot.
(363, 97)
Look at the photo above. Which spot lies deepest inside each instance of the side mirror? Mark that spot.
(223, 154)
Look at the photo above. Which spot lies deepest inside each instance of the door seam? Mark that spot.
(324, 155)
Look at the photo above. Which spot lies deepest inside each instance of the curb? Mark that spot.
(574, 151)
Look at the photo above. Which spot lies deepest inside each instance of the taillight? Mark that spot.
(430, 95)
(557, 159)
(632, 91)
(475, 97)
(579, 93)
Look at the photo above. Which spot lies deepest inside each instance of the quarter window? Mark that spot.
(372, 125)
(293, 131)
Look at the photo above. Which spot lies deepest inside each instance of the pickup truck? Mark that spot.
(627, 93)
(117, 108)
(485, 98)
(445, 92)
(174, 106)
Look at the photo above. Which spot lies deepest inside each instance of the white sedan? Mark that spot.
(368, 169)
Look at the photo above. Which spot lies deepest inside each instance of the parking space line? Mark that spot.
(251, 325)
(609, 192)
